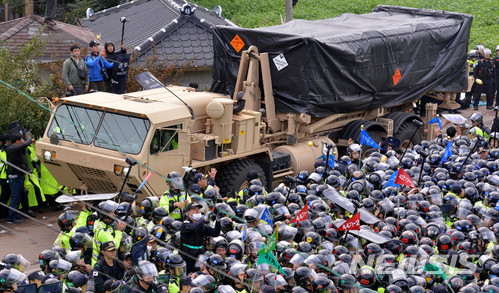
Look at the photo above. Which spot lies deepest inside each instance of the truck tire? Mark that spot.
(404, 135)
(234, 176)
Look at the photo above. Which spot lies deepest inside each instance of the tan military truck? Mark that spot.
(321, 80)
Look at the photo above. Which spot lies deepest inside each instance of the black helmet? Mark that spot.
(90, 222)
(139, 233)
(45, 257)
(158, 232)
(323, 284)
(174, 181)
(409, 237)
(313, 238)
(217, 262)
(16, 261)
(250, 215)
(477, 118)
(444, 243)
(253, 279)
(105, 208)
(159, 213)
(176, 264)
(347, 281)
(66, 220)
(76, 280)
(148, 205)
(123, 209)
(80, 240)
(366, 277)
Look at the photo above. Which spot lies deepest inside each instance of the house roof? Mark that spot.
(161, 28)
(59, 37)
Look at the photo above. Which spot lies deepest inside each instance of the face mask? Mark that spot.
(196, 217)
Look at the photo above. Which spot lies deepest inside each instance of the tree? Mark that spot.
(20, 74)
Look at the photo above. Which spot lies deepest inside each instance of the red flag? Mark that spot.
(302, 215)
(352, 224)
(404, 179)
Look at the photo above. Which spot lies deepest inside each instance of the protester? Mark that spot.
(74, 73)
(111, 55)
(16, 152)
(97, 65)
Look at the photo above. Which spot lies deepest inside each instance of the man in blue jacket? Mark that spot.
(96, 64)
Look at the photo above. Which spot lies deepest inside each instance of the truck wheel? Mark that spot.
(404, 135)
(234, 176)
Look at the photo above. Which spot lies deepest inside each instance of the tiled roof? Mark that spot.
(58, 37)
(157, 27)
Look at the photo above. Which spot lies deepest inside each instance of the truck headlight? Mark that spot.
(47, 155)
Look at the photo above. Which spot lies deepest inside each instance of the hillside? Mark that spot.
(258, 13)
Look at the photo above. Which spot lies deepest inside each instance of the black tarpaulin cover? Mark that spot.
(352, 62)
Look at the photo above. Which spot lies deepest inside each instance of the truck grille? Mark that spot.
(95, 180)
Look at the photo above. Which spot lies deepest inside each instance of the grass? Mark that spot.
(259, 13)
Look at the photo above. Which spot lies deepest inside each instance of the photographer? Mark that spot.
(97, 64)
(74, 73)
(16, 152)
(193, 232)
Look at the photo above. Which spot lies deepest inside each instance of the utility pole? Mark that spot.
(289, 10)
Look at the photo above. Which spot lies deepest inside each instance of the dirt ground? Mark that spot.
(31, 237)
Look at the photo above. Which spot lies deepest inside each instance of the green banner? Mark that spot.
(271, 260)
(271, 245)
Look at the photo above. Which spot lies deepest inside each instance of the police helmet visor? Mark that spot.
(436, 199)
(255, 246)
(148, 269)
(488, 236)
(226, 289)
(297, 259)
(176, 182)
(489, 221)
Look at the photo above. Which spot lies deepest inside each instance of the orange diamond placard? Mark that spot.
(396, 77)
(237, 43)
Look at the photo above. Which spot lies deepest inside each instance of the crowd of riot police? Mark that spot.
(438, 236)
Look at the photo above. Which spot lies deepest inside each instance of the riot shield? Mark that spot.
(343, 202)
(29, 288)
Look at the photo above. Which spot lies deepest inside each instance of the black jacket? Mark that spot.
(103, 272)
(193, 234)
(16, 156)
(137, 288)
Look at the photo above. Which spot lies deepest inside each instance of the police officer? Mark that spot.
(66, 221)
(4, 183)
(108, 267)
(175, 198)
(193, 232)
(472, 61)
(146, 272)
(104, 230)
(484, 70)
(479, 128)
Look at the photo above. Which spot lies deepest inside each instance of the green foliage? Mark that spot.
(20, 69)
(77, 9)
(258, 13)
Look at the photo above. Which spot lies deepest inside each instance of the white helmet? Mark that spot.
(487, 51)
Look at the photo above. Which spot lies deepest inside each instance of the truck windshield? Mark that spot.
(123, 132)
(114, 131)
(75, 124)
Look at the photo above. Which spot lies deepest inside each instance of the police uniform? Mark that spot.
(104, 234)
(103, 272)
(484, 70)
(192, 237)
(62, 240)
(169, 198)
(5, 189)
(31, 182)
(137, 288)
